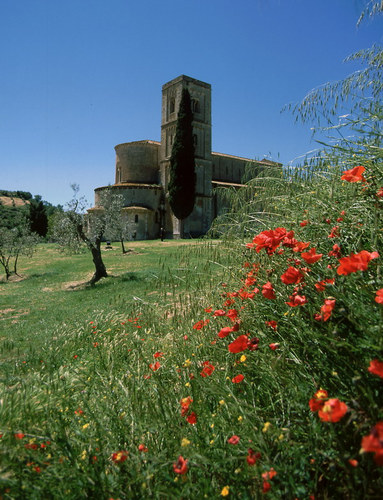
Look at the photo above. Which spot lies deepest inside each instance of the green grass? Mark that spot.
(81, 390)
(52, 290)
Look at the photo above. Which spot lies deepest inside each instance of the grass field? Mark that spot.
(244, 367)
(51, 290)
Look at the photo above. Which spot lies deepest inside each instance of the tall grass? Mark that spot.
(118, 397)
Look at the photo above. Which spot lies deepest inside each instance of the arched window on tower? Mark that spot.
(195, 140)
(195, 106)
(172, 105)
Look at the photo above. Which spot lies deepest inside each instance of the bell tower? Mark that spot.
(200, 92)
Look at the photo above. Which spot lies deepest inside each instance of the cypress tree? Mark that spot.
(182, 166)
(38, 216)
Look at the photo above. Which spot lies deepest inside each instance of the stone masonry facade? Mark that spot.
(142, 170)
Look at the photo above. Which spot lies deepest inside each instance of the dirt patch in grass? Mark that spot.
(15, 315)
(6, 311)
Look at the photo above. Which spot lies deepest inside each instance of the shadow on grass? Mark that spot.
(109, 281)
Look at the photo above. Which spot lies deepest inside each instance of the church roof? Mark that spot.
(262, 162)
(125, 185)
(144, 141)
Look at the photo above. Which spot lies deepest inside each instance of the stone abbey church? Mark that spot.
(142, 170)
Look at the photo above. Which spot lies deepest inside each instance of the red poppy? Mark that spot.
(253, 344)
(300, 246)
(266, 486)
(304, 223)
(237, 379)
(19, 435)
(234, 440)
(379, 296)
(272, 323)
(333, 410)
(200, 324)
(374, 443)
(224, 332)
(181, 466)
(269, 240)
(269, 474)
(292, 276)
(379, 193)
(326, 310)
(318, 400)
(154, 366)
(185, 403)
(297, 300)
(248, 295)
(353, 462)
(311, 256)
(119, 456)
(250, 281)
(207, 370)
(289, 241)
(334, 232)
(252, 456)
(321, 285)
(192, 418)
(239, 344)
(268, 291)
(232, 314)
(219, 312)
(143, 448)
(354, 174)
(376, 367)
(158, 354)
(274, 346)
(356, 262)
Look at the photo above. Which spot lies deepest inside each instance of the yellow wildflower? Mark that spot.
(225, 491)
(266, 427)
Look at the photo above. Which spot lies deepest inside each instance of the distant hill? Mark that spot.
(11, 201)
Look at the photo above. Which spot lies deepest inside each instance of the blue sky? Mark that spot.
(80, 76)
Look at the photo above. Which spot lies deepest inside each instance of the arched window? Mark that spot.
(195, 106)
(136, 219)
(195, 140)
(172, 105)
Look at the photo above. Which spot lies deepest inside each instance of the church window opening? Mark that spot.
(136, 219)
(195, 106)
(172, 105)
(195, 140)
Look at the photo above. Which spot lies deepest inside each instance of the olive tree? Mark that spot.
(74, 228)
(15, 242)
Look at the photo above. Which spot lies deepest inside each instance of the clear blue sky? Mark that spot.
(80, 76)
